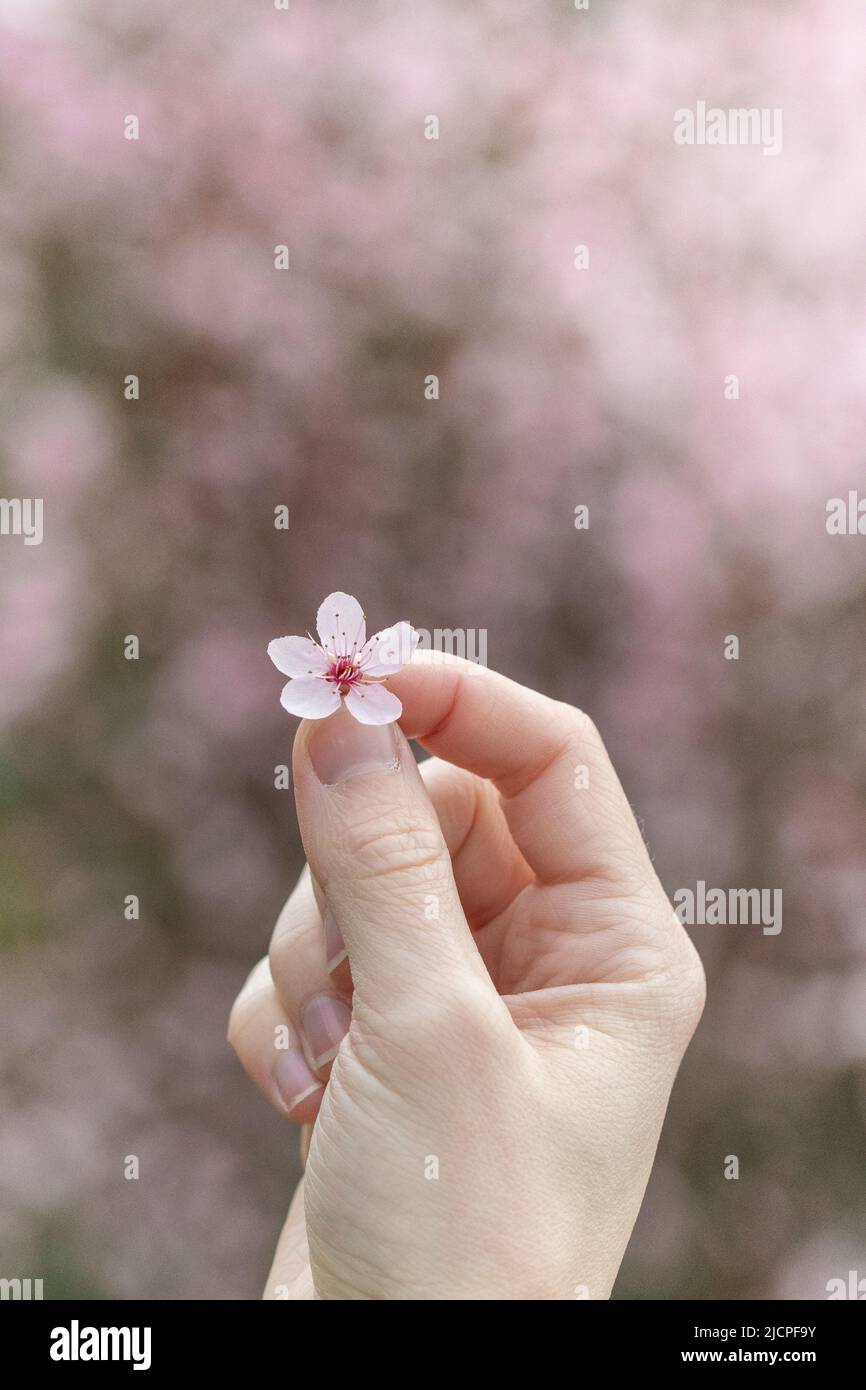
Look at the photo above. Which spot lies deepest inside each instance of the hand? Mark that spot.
(500, 1042)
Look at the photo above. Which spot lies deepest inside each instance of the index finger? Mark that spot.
(564, 802)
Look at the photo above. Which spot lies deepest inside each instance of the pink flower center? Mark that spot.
(344, 674)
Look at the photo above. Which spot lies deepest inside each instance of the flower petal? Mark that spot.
(310, 697)
(373, 704)
(388, 651)
(341, 624)
(298, 656)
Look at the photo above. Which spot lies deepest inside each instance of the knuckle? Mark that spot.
(237, 1021)
(589, 736)
(297, 922)
(395, 850)
(695, 986)
(277, 952)
(283, 955)
(686, 981)
(581, 734)
(578, 722)
(247, 1003)
(280, 948)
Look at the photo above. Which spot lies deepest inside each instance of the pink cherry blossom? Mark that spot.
(345, 666)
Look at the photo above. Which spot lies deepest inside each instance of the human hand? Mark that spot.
(509, 1019)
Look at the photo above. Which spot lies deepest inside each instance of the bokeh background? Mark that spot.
(305, 387)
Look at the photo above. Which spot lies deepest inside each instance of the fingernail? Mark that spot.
(340, 747)
(335, 946)
(325, 1023)
(293, 1079)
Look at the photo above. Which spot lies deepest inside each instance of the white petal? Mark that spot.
(341, 625)
(297, 656)
(310, 697)
(373, 704)
(388, 651)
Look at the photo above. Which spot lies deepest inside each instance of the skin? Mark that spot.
(521, 995)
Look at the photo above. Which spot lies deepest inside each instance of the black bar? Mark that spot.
(261, 1338)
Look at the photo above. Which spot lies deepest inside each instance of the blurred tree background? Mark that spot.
(559, 387)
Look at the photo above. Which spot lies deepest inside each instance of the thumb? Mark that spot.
(376, 849)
